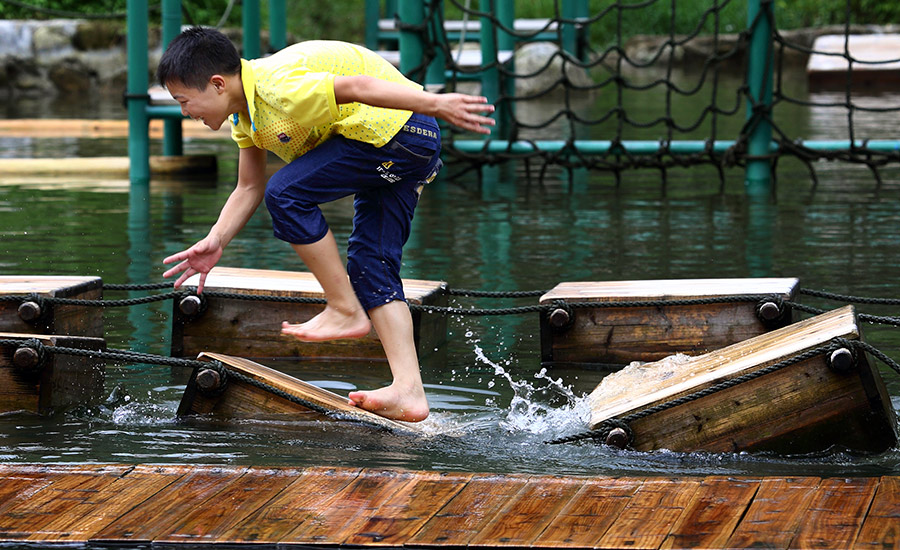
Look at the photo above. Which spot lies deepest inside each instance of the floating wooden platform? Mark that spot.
(262, 507)
(806, 407)
(48, 383)
(205, 166)
(106, 128)
(619, 335)
(252, 328)
(30, 316)
(876, 62)
(209, 395)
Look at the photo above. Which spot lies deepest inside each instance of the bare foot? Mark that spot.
(393, 403)
(331, 324)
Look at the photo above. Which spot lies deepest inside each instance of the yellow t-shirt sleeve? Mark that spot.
(240, 137)
(307, 97)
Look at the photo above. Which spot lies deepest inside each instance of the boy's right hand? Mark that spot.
(200, 258)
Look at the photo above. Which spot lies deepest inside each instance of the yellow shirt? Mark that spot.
(290, 99)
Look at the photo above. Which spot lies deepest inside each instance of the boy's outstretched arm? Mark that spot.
(462, 110)
(241, 204)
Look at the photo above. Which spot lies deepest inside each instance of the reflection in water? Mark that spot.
(139, 256)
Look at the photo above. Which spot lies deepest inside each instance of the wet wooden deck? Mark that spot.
(184, 504)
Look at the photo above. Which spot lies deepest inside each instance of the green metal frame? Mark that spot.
(760, 15)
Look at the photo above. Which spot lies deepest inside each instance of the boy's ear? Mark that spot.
(217, 82)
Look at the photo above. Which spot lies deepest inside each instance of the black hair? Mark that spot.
(195, 55)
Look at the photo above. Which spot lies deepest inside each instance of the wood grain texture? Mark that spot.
(183, 506)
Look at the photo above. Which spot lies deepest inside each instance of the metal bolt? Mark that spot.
(769, 311)
(559, 318)
(26, 358)
(841, 360)
(190, 305)
(29, 311)
(209, 380)
(617, 437)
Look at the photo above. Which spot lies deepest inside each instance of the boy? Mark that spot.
(346, 122)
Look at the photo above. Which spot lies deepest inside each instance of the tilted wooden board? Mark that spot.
(244, 400)
(728, 362)
(805, 407)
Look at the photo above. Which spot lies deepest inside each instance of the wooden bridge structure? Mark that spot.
(122, 504)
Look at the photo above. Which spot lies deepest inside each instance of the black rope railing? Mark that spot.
(462, 311)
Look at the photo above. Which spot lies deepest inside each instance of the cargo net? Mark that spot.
(605, 85)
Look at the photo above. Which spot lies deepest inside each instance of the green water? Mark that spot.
(493, 404)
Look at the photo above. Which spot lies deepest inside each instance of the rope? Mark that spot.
(848, 298)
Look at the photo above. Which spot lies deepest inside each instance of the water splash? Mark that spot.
(529, 414)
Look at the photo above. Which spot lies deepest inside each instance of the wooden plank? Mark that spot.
(244, 400)
(157, 514)
(81, 521)
(875, 62)
(836, 513)
(392, 524)
(20, 483)
(307, 496)
(776, 513)
(470, 511)
(109, 128)
(662, 289)
(647, 520)
(239, 499)
(351, 508)
(881, 528)
(710, 518)
(528, 513)
(67, 489)
(588, 514)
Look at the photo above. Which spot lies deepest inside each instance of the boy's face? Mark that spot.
(210, 106)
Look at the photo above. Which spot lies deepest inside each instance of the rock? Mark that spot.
(543, 62)
(53, 39)
(98, 35)
(71, 76)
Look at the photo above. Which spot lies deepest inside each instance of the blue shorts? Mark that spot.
(386, 182)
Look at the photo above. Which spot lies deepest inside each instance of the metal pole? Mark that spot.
(136, 94)
(759, 106)
(373, 14)
(277, 25)
(490, 75)
(251, 24)
(410, 13)
(437, 74)
(173, 144)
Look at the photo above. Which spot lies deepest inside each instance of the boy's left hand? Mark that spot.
(465, 111)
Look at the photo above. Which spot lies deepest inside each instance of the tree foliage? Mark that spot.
(344, 19)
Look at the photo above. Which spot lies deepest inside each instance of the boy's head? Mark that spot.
(195, 55)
